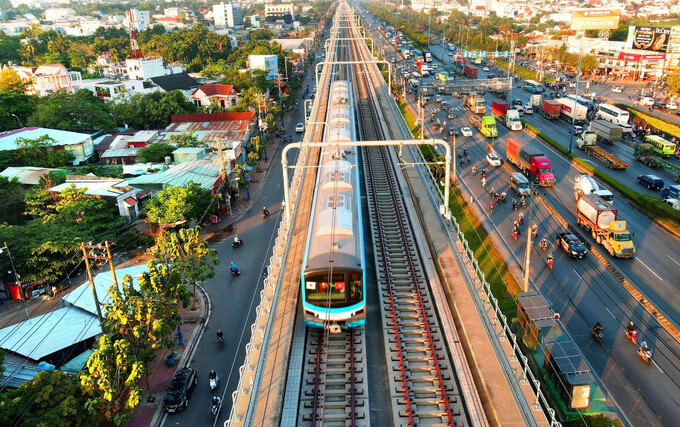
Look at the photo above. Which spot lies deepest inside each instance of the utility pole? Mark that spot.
(87, 258)
(16, 278)
(527, 254)
(578, 76)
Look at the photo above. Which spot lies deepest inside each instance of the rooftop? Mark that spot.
(202, 172)
(8, 140)
(94, 187)
(27, 175)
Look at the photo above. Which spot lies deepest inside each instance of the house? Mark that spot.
(232, 130)
(27, 175)
(181, 81)
(188, 154)
(147, 68)
(115, 189)
(49, 78)
(79, 144)
(223, 96)
(204, 172)
(115, 89)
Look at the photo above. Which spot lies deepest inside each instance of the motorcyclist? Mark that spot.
(503, 196)
(490, 206)
(474, 169)
(483, 182)
(213, 375)
(265, 211)
(233, 267)
(551, 260)
(598, 329)
(514, 204)
(521, 217)
(631, 327)
(237, 240)
(644, 347)
(534, 230)
(219, 334)
(544, 243)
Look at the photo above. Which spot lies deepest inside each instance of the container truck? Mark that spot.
(606, 131)
(551, 109)
(535, 101)
(486, 125)
(599, 217)
(588, 143)
(470, 71)
(531, 160)
(586, 184)
(476, 103)
(572, 109)
(510, 118)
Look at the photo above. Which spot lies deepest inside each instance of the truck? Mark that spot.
(476, 103)
(427, 55)
(551, 109)
(606, 131)
(671, 192)
(423, 69)
(535, 101)
(572, 110)
(486, 125)
(586, 184)
(644, 152)
(600, 218)
(470, 71)
(406, 52)
(531, 160)
(510, 118)
(588, 143)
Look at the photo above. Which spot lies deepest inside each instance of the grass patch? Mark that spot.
(410, 119)
(652, 206)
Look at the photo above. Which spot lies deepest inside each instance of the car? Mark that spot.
(466, 131)
(578, 130)
(516, 102)
(528, 109)
(519, 109)
(493, 160)
(450, 53)
(674, 203)
(177, 393)
(572, 245)
(617, 89)
(427, 98)
(671, 106)
(445, 106)
(452, 131)
(490, 76)
(652, 182)
(299, 127)
(438, 99)
(659, 104)
(647, 101)
(677, 113)
(450, 114)
(485, 69)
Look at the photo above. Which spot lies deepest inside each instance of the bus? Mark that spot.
(533, 86)
(580, 100)
(662, 147)
(612, 114)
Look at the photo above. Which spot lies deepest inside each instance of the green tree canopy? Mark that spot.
(155, 153)
(152, 110)
(40, 152)
(14, 103)
(175, 203)
(13, 205)
(186, 139)
(78, 111)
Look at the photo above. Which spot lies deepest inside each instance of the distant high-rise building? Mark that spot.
(227, 15)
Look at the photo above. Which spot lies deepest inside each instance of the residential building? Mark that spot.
(147, 68)
(49, 78)
(227, 15)
(118, 89)
(284, 11)
(79, 144)
(182, 82)
(137, 20)
(223, 96)
(55, 14)
(114, 189)
(205, 172)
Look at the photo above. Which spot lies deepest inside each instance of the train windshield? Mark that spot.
(343, 290)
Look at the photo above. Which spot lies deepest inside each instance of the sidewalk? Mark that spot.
(194, 319)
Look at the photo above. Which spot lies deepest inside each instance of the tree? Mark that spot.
(674, 81)
(186, 139)
(152, 110)
(10, 81)
(15, 103)
(190, 254)
(40, 152)
(155, 153)
(589, 63)
(175, 203)
(52, 398)
(80, 111)
(95, 217)
(142, 319)
(12, 196)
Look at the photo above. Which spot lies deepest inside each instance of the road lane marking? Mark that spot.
(658, 367)
(610, 313)
(659, 277)
(673, 260)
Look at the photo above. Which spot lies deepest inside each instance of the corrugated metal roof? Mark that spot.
(49, 333)
(119, 152)
(93, 188)
(82, 297)
(202, 172)
(62, 137)
(27, 175)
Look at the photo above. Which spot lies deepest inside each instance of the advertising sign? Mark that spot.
(268, 63)
(650, 38)
(595, 19)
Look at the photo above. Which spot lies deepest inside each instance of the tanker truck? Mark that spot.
(599, 217)
(586, 184)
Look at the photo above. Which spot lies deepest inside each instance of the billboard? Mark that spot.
(649, 38)
(595, 19)
(265, 62)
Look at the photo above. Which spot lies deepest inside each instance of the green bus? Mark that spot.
(662, 147)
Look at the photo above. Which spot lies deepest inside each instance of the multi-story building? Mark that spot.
(227, 15)
(49, 78)
(137, 19)
(274, 12)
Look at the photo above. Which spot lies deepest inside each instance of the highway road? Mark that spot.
(582, 290)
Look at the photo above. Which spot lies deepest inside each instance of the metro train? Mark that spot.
(333, 277)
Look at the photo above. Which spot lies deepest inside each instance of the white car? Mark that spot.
(617, 89)
(528, 109)
(466, 131)
(647, 101)
(485, 69)
(493, 160)
(672, 106)
(299, 127)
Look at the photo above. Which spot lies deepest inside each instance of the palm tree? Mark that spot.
(28, 53)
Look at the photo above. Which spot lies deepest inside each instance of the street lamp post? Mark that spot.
(578, 76)
(18, 119)
(527, 254)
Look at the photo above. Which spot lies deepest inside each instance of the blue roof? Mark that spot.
(8, 140)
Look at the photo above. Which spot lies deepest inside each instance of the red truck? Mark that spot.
(531, 160)
(499, 107)
(551, 109)
(471, 71)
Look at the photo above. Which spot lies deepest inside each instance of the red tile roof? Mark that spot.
(210, 89)
(211, 117)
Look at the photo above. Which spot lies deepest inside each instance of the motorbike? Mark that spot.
(515, 234)
(215, 406)
(524, 204)
(551, 261)
(514, 205)
(534, 232)
(544, 245)
(237, 243)
(598, 336)
(265, 213)
(490, 207)
(632, 335)
(645, 355)
(220, 342)
(235, 271)
(214, 382)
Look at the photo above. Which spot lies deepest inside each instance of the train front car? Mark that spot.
(333, 277)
